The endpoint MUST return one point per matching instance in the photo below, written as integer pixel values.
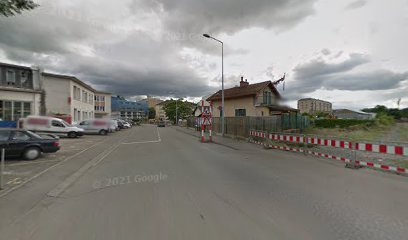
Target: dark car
(26, 144)
(161, 124)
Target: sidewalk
(217, 138)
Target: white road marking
(71, 179)
(46, 170)
(32, 162)
(142, 142)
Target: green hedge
(341, 123)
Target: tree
(184, 109)
(12, 7)
(152, 113)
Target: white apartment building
(103, 105)
(67, 95)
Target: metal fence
(240, 126)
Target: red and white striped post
(202, 132)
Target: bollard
(352, 164)
(3, 151)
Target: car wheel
(72, 135)
(103, 132)
(32, 153)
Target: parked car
(127, 125)
(120, 123)
(26, 144)
(113, 126)
(95, 126)
(40, 124)
(161, 124)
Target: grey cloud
(193, 18)
(129, 60)
(356, 4)
(319, 74)
(375, 80)
(319, 67)
(325, 51)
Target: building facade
(20, 92)
(259, 99)
(103, 105)
(68, 96)
(126, 109)
(313, 106)
(152, 102)
(350, 114)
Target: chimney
(242, 83)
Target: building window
(14, 110)
(26, 82)
(77, 93)
(17, 110)
(84, 96)
(267, 97)
(11, 77)
(240, 112)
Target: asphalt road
(151, 183)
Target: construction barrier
(369, 147)
(378, 148)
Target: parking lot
(18, 171)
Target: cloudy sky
(353, 53)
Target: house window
(267, 97)
(240, 112)
(11, 77)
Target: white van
(52, 125)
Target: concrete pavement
(165, 184)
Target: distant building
(125, 109)
(259, 99)
(20, 92)
(351, 114)
(103, 104)
(160, 113)
(152, 102)
(313, 106)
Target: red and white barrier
(361, 163)
(369, 147)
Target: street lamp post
(176, 113)
(222, 82)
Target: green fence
(240, 126)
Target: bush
(384, 119)
(341, 123)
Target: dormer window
(11, 77)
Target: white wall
(80, 105)
(56, 95)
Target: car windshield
(66, 124)
(34, 134)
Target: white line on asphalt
(141, 142)
(71, 179)
(31, 162)
(46, 170)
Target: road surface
(160, 183)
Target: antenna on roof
(280, 80)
